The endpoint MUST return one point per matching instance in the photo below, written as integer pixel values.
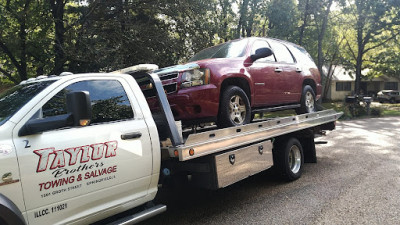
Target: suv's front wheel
(307, 102)
(234, 109)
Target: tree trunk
(22, 35)
(249, 27)
(321, 36)
(57, 10)
(224, 29)
(242, 19)
(361, 46)
(304, 25)
(359, 67)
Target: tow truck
(78, 148)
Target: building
(343, 84)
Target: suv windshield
(226, 50)
(13, 99)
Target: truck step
(141, 216)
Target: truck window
(15, 98)
(108, 98)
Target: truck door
(77, 171)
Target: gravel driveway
(356, 181)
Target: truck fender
(9, 212)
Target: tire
(307, 101)
(392, 101)
(288, 158)
(234, 108)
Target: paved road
(356, 181)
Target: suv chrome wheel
(234, 108)
(307, 101)
(310, 102)
(237, 109)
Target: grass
(390, 109)
(391, 113)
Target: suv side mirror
(261, 53)
(79, 114)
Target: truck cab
(58, 161)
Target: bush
(354, 110)
(376, 111)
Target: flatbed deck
(209, 142)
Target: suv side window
(281, 52)
(262, 44)
(302, 56)
(108, 99)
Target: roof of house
(341, 74)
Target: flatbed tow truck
(77, 167)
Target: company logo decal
(75, 167)
(88, 152)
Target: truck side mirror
(79, 105)
(79, 114)
(261, 53)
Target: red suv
(230, 82)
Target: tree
(282, 24)
(57, 11)
(376, 23)
(385, 60)
(23, 31)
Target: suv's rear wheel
(234, 109)
(308, 103)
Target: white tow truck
(78, 148)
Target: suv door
(290, 79)
(77, 171)
(265, 78)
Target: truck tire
(234, 109)
(307, 101)
(288, 158)
(392, 101)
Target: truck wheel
(288, 158)
(234, 109)
(307, 101)
(392, 101)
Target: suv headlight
(195, 77)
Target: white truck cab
(52, 166)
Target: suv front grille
(148, 89)
(168, 76)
